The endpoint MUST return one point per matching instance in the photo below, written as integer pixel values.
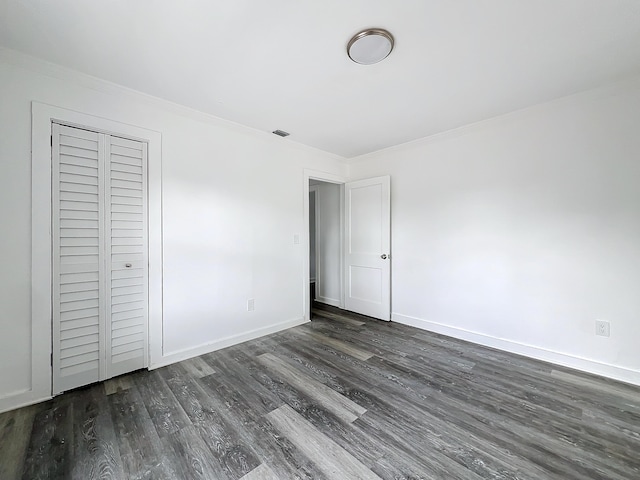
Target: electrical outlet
(251, 306)
(602, 328)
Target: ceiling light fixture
(370, 46)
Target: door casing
(330, 178)
(43, 116)
(306, 278)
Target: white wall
(328, 243)
(520, 231)
(232, 201)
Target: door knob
(383, 256)
(128, 265)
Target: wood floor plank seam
(341, 406)
(333, 460)
(261, 472)
(277, 451)
(231, 456)
(341, 345)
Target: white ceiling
(282, 63)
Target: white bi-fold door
(100, 261)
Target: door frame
(314, 189)
(43, 116)
(309, 174)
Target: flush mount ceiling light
(370, 46)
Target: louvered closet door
(78, 267)
(127, 254)
(100, 273)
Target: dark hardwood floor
(343, 397)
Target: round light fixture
(370, 46)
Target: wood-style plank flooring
(343, 397)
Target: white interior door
(100, 264)
(367, 247)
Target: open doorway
(325, 244)
(315, 181)
(351, 244)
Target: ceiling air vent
(281, 133)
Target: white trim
(28, 62)
(309, 174)
(512, 116)
(209, 347)
(578, 363)
(42, 117)
(8, 402)
(342, 248)
(316, 194)
(329, 301)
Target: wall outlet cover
(603, 328)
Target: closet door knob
(383, 256)
(128, 265)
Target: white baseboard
(578, 363)
(25, 398)
(329, 301)
(20, 399)
(209, 347)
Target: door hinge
(51, 138)
(51, 359)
